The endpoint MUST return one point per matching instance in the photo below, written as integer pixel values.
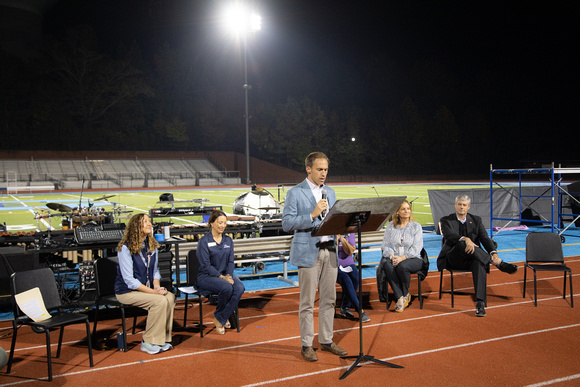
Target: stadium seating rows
(121, 173)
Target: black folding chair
(45, 281)
(451, 271)
(544, 253)
(421, 274)
(105, 276)
(192, 264)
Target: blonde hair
(134, 235)
(397, 219)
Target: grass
(19, 211)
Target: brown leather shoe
(333, 348)
(308, 354)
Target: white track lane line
(163, 358)
(417, 354)
(554, 381)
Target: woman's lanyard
(402, 247)
(146, 263)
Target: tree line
(419, 119)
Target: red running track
(516, 344)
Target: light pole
(241, 20)
(247, 116)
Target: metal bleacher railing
(70, 174)
(274, 249)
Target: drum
(109, 218)
(96, 211)
(80, 215)
(79, 211)
(66, 223)
(97, 214)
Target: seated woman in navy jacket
(215, 252)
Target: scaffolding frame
(555, 189)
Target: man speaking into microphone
(305, 206)
(324, 196)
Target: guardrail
(271, 249)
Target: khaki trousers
(159, 317)
(322, 276)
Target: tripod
(350, 215)
(361, 357)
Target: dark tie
(463, 229)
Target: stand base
(285, 276)
(288, 280)
(365, 358)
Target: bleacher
(47, 175)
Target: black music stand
(358, 215)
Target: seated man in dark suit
(465, 240)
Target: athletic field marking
(44, 222)
(138, 362)
(417, 354)
(554, 381)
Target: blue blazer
(298, 205)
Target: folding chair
(451, 271)
(45, 281)
(544, 253)
(192, 264)
(105, 276)
(421, 274)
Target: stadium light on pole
(241, 21)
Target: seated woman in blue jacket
(138, 283)
(215, 252)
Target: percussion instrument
(59, 207)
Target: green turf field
(20, 211)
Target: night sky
(529, 48)
(536, 39)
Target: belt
(307, 230)
(325, 245)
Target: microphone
(324, 198)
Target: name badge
(211, 244)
